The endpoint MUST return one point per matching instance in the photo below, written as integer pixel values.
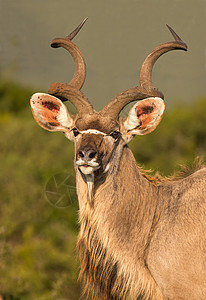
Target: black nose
(87, 155)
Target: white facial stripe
(93, 131)
(107, 168)
(91, 163)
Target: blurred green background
(38, 208)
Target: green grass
(37, 237)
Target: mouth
(87, 168)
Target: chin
(88, 170)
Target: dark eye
(115, 134)
(75, 131)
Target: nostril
(87, 155)
(81, 154)
(92, 154)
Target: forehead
(96, 122)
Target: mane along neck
(113, 251)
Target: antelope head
(100, 136)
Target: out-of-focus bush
(37, 237)
(37, 258)
(13, 97)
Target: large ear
(50, 113)
(143, 117)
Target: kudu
(140, 238)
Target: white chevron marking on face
(93, 131)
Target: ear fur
(50, 113)
(144, 117)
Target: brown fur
(115, 237)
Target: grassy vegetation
(37, 233)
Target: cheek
(107, 149)
(69, 135)
(77, 143)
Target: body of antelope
(140, 238)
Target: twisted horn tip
(55, 42)
(177, 38)
(74, 33)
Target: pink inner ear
(145, 110)
(51, 106)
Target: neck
(129, 201)
(116, 230)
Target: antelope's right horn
(146, 88)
